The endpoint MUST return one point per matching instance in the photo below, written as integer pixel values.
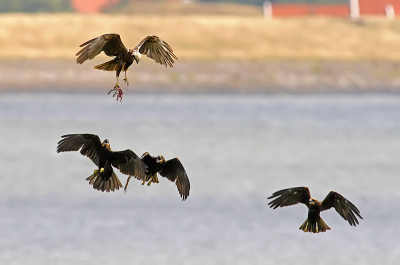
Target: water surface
(237, 150)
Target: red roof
(377, 7)
(92, 6)
(367, 7)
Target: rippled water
(237, 150)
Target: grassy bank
(200, 37)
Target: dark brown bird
(103, 178)
(314, 222)
(111, 44)
(171, 169)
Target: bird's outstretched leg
(118, 91)
(150, 181)
(126, 185)
(126, 80)
(153, 179)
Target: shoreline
(195, 76)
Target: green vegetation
(34, 5)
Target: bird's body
(104, 160)
(314, 222)
(104, 177)
(111, 44)
(171, 169)
(118, 64)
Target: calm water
(237, 150)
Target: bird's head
(312, 201)
(160, 160)
(106, 142)
(136, 56)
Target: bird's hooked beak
(106, 143)
(160, 159)
(311, 201)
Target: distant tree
(34, 5)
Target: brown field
(217, 37)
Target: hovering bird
(171, 169)
(111, 44)
(103, 178)
(314, 222)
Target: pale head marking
(136, 55)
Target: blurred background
(264, 96)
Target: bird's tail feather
(108, 66)
(111, 184)
(320, 226)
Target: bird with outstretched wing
(171, 169)
(151, 46)
(104, 177)
(314, 222)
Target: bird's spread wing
(90, 144)
(292, 196)
(157, 49)
(344, 207)
(129, 163)
(174, 171)
(111, 44)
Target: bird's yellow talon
(102, 170)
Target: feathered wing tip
(90, 49)
(111, 65)
(111, 184)
(320, 226)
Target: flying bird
(314, 222)
(111, 44)
(103, 178)
(171, 169)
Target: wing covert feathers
(344, 207)
(175, 172)
(111, 44)
(90, 144)
(158, 50)
(292, 196)
(129, 163)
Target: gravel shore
(271, 76)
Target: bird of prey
(314, 222)
(171, 169)
(111, 44)
(103, 178)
